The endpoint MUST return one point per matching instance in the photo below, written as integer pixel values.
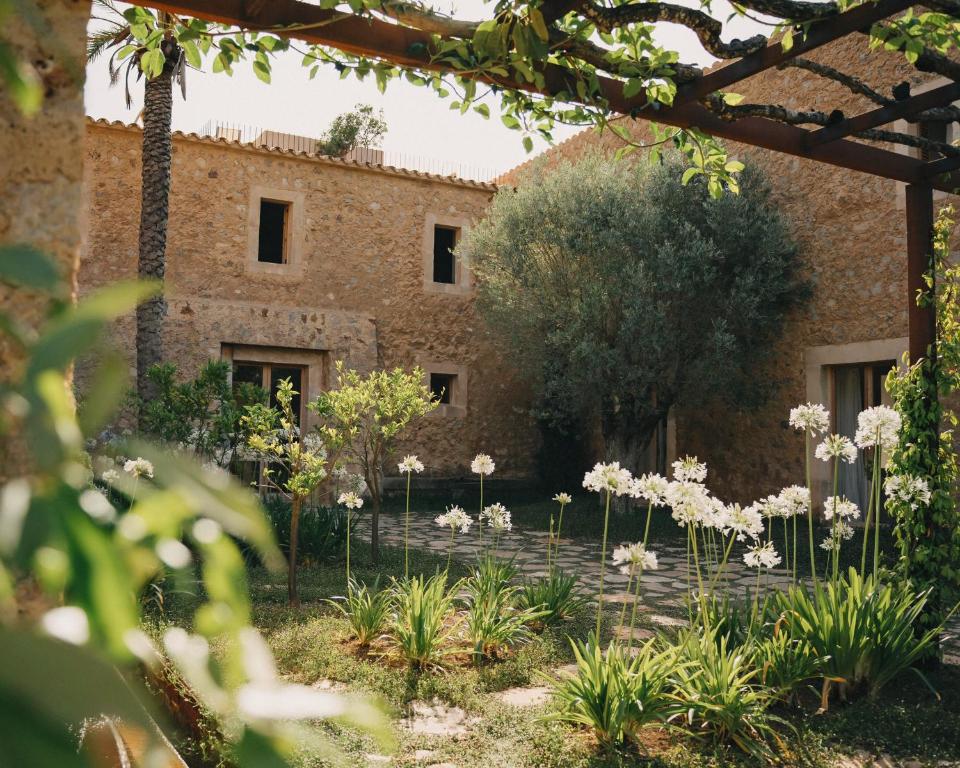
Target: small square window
(272, 245)
(444, 260)
(441, 387)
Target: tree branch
(853, 84)
(718, 106)
(707, 29)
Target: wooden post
(921, 321)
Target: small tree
(624, 292)
(360, 128)
(294, 465)
(362, 419)
(202, 414)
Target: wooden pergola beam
(913, 105)
(821, 33)
(408, 47)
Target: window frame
(457, 407)
(292, 266)
(462, 276)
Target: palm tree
(155, 158)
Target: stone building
(284, 263)
(281, 261)
(851, 230)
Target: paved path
(664, 592)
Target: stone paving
(664, 590)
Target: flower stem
(406, 533)
(633, 613)
(869, 517)
(480, 519)
(813, 559)
(556, 546)
(623, 610)
(646, 528)
(450, 550)
(876, 512)
(348, 548)
(603, 562)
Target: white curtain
(849, 388)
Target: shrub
(494, 620)
(615, 694)
(557, 596)
(424, 619)
(862, 630)
(322, 531)
(491, 575)
(785, 661)
(717, 685)
(366, 609)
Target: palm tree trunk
(154, 203)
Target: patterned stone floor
(664, 590)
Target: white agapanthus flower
(907, 489)
(350, 500)
(110, 476)
(843, 531)
(841, 508)
(689, 469)
(608, 477)
(812, 418)
(482, 464)
(410, 464)
(138, 467)
(837, 447)
(206, 531)
(650, 487)
(67, 623)
(497, 517)
(689, 502)
(744, 522)
(794, 500)
(879, 425)
(97, 506)
(762, 555)
(173, 553)
(630, 557)
(454, 519)
(563, 498)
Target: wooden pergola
(833, 143)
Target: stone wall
(851, 230)
(41, 169)
(354, 289)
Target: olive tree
(362, 419)
(624, 292)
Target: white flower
(837, 447)
(793, 500)
(96, 505)
(563, 498)
(68, 624)
(842, 531)
(690, 502)
(350, 500)
(632, 556)
(206, 531)
(454, 518)
(110, 476)
(762, 556)
(608, 477)
(410, 464)
(482, 465)
(743, 521)
(907, 489)
(688, 469)
(879, 425)
(841, 508)
(497, 517)
(340, 472)
(173, 553)
(812, 418)
(651, 487)
(138, 467)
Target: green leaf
(632, 87)
(688, 174)
(482, 109)
(25, 266)
(528, 144)
(192, 53)
(732, 99)
(786, 42)
(262, 71)
(152, 63)
(539, 25)
(106, 391)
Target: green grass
(313, 645)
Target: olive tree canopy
(623, 292)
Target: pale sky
(419, 123)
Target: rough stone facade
(851, 229)
(41, 169)
(355, 287)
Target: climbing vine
(928, 535)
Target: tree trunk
(374, 481)
(293, 597)
(154, 205)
